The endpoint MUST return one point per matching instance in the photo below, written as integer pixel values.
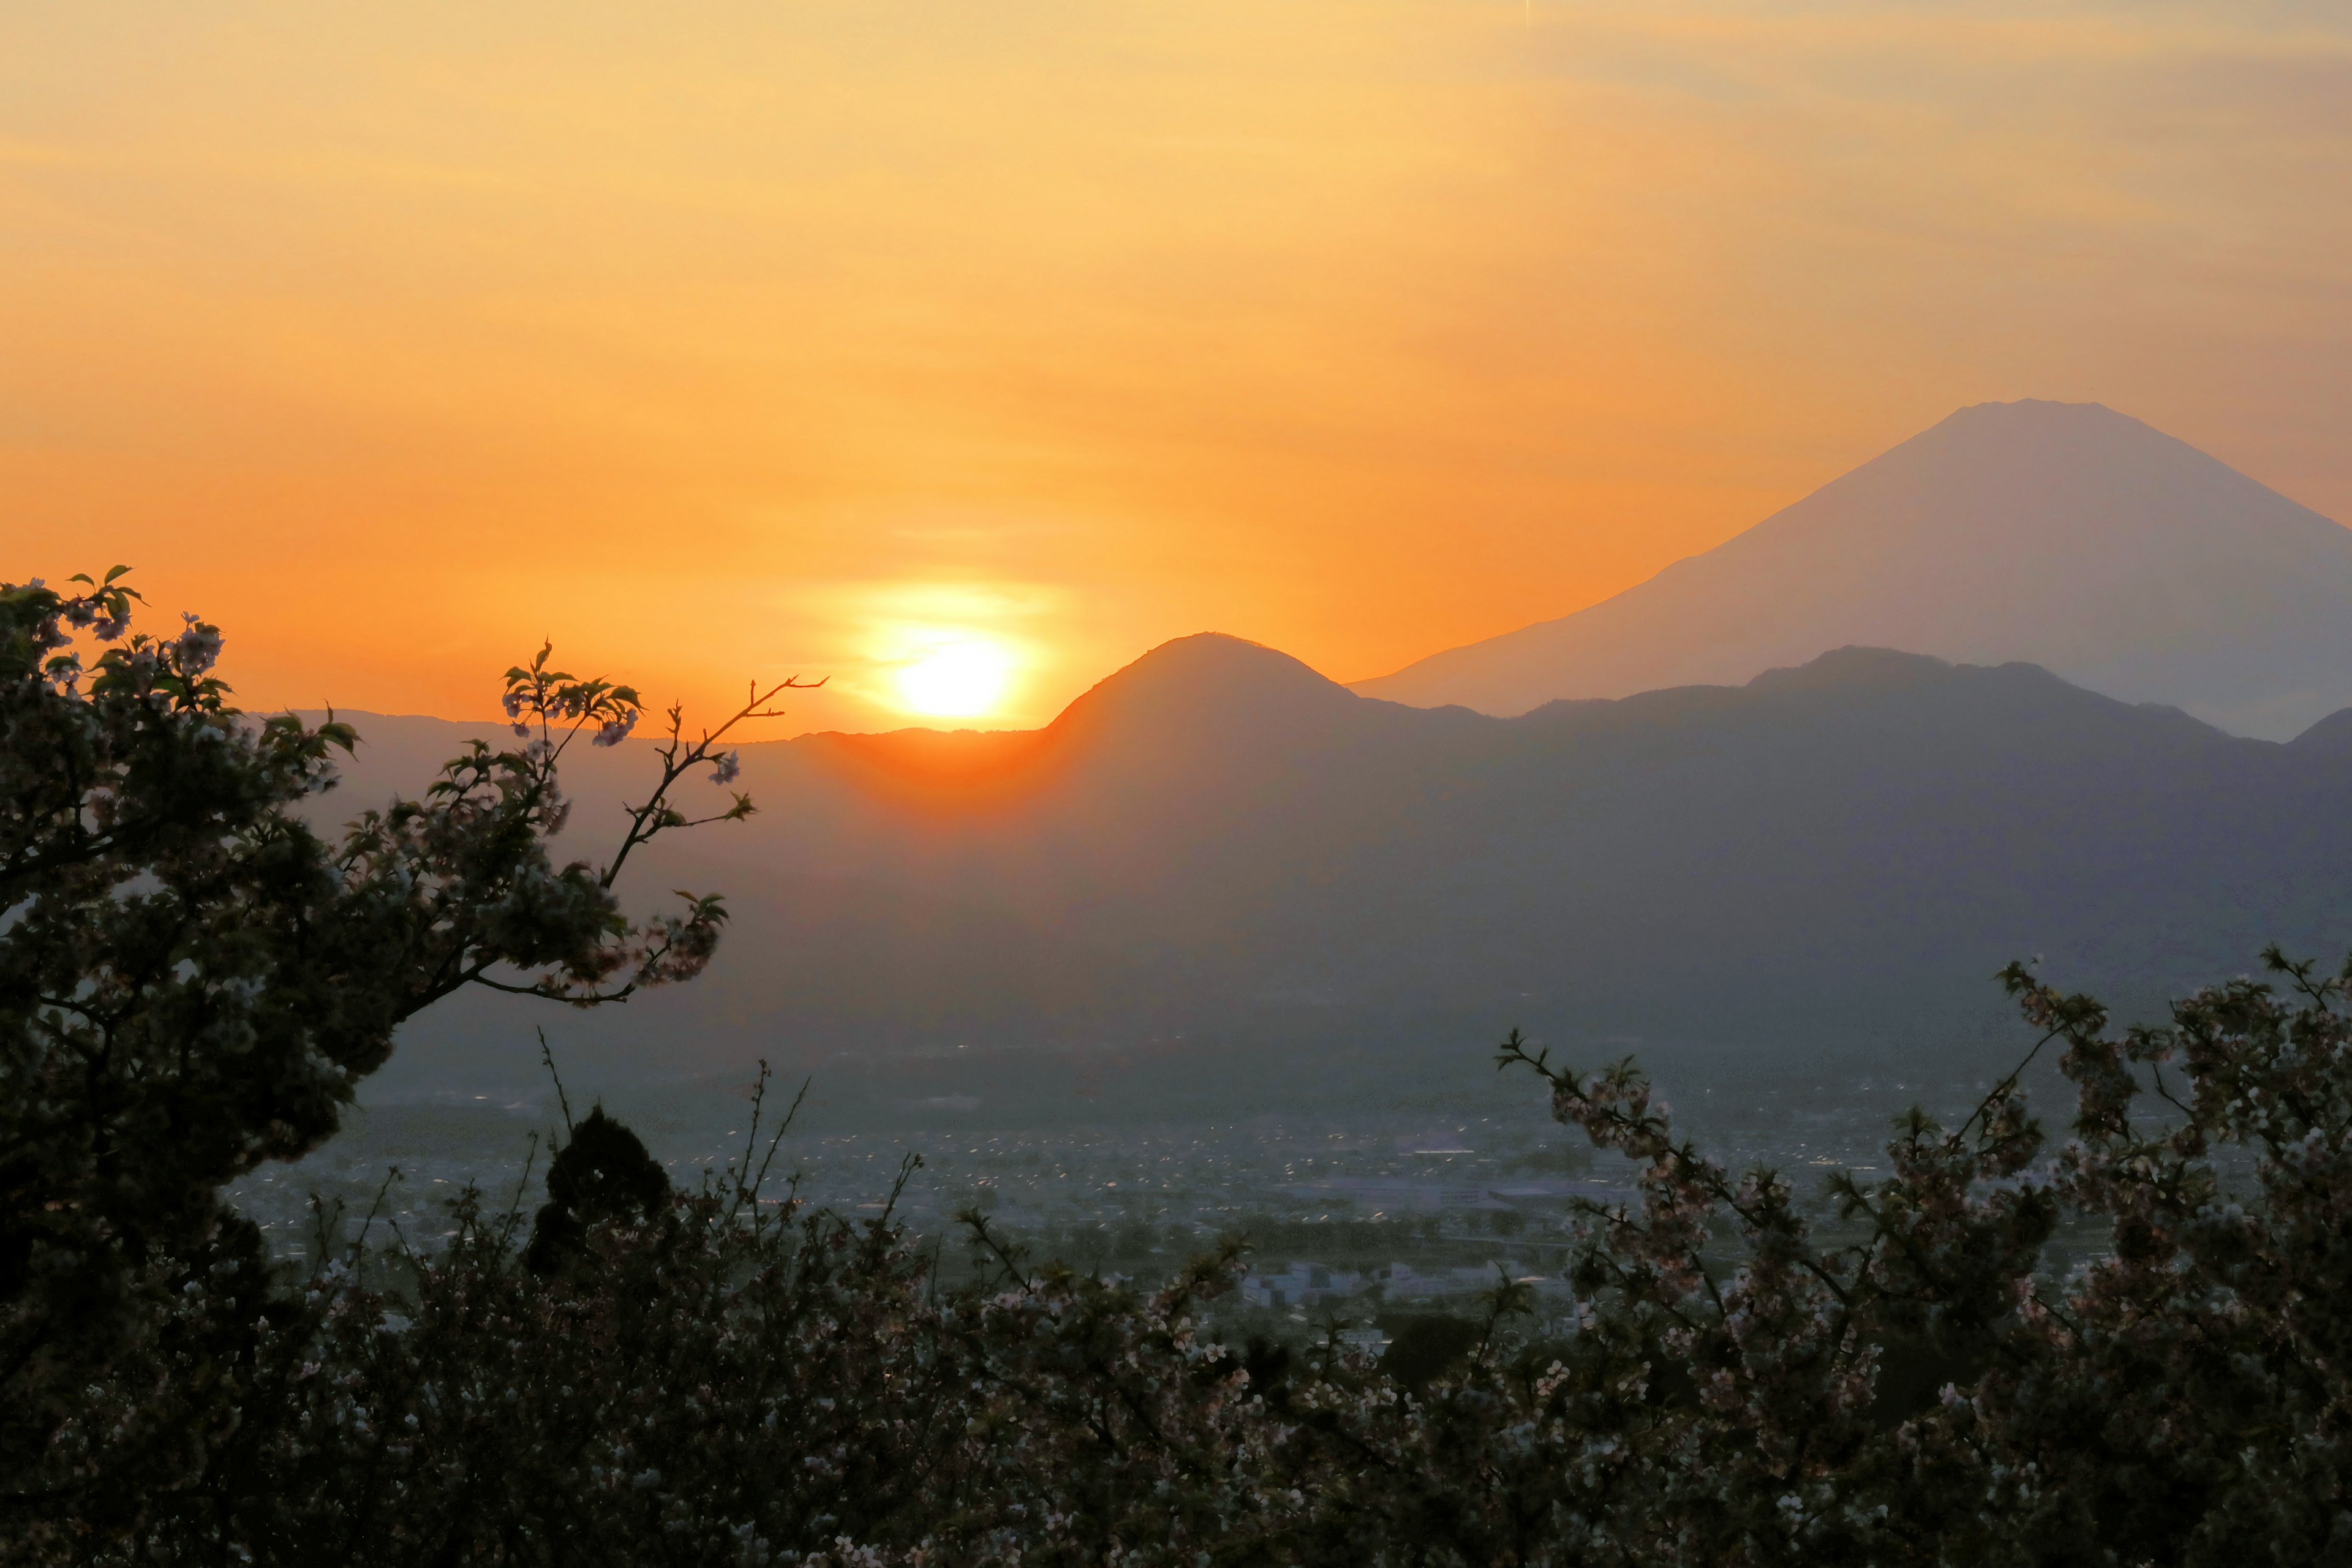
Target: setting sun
(961, 681)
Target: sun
(959, 680)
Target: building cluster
(1348, 1215)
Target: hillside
(1217, 855)
(2065, 535)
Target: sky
(959, 352)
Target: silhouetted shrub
(191, 981)
(602, 1174)
(730, 1381)
(703, 1377)
(1423, 1347)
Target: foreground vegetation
(190, 982)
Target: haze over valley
(1220, 887)
(1218, 845)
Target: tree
(601, 1174)
(1938, 1390)
(698, 1377)
(193, 980)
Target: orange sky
(725, 339)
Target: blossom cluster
(194, 978)
(726, 1378)
(191, 981)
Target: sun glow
(959, 680)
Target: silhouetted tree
(1424, 1346)
(193, 980)
(602, 1174)
(189, 982)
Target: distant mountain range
(2064, 535)
(1219, 878)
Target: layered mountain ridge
(1219, 862)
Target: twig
(654, 816)
(783, 1127)
(548, 1057)
(514, 1209)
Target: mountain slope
(1221, 858)
(2061, 534)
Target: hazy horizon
(2161, 575)
(826, 340)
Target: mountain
(2063, 534)
(1219, 879)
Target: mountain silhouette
(2064, 535)
(1242, 880)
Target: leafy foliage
(192, 980)
(728, 1376)
(735, 1379)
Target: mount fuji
(2065, 535)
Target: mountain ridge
(1832, 857)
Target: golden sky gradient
(731, 340)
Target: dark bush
(602, 1174)
(1424, 1347)
(190, 983)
